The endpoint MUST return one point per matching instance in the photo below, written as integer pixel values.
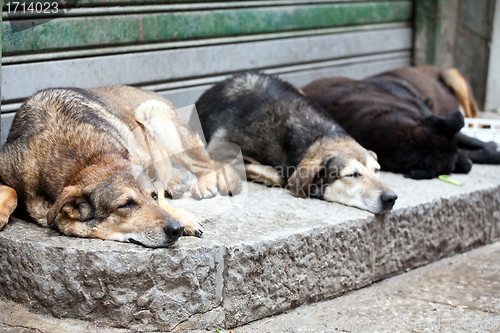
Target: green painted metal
(428, 26)
(106, 31)
(193, 43)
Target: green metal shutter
(180, 48)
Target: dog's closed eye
(354, 175)
(128, 205)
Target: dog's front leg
(206, 187)
(8, 203)
(192, 227)
(228, 179)
(176, 187)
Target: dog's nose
(389, 197)
(174, 230)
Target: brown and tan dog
(409, 117)
(98, 162)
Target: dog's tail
(456, 81)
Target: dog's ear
(373, 154)
(300, 181)
(73, 201)
(448, 126)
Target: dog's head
(426, 148)
(109, 204)
(342, 171)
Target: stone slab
(262, 253)
(457, 294)
(111, 283)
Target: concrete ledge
(261, 254)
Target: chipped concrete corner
(257, 258)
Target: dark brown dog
(97, 163)
(408, 117)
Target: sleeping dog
(409, 117)
(98, 162)
(285, 138)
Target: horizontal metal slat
(187, 92)
(354, 68)
(192, 43)
(6, 123)
(22, 80)
(100, 31)
(187, 4)
(103, 8)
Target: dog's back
(442, 91)
(268, 118)
(51, 126)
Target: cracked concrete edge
(259, 282)
(191, 278)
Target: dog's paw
(228, 181)
(176, 188)
(206, 187)
(8, 204)
(491, 145)
(192, 227)
(195, 230)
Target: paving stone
(458, 294)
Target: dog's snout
(174, 230)
(389, 197)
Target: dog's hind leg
(484, 155)
(467, 142)
(265, 174)
(455, 80)
(8, 203)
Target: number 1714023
(32, 7)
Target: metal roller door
(180, 48)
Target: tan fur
(357, 182)
(318, 153)
(228, 180)
(456, 81)
(191, 224)
(265, 174)
(8, 203)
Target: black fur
(272, 123)
(388, 119)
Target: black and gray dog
(288, 140)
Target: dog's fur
(97, 163)
(285, 137)
(409, 117)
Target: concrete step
(457, 294)
(262, 253)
